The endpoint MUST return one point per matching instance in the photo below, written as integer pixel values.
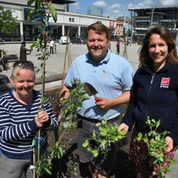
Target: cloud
(116, 10)
(115, 6)
(100, 4)
(168, 2)
(153, 3)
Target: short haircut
(99, 28)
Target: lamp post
(125, 44)
(152, 13)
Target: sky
(116, 8)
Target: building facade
(122, 21)
(120, 27)
(76, 23)
(144, 18)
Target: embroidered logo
(165, 82)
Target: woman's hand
(41, 118)
(123, 128)
(59, 118)
(169, 144)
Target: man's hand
(123, 128)
(103, 103)
(64, 94)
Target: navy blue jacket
(155, 95)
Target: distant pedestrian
(3, 62)
(55, 48)
(51, 47)
(24, 52)
(118, 46)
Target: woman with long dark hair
(154, 95)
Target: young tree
(8, 25)
(7, 22)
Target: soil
(69, 165)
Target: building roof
(156, 13)
(152, 7)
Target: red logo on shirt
(165, 82)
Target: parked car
(63, 40)
(11, 58)
(4, 84)
(78, 40)
(1, 40)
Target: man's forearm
(123, 99)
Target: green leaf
(98, 124)
(48, 171)
(158, 124)
(52, 11)
(85, 144)
(30, 15)
(148, 121)
(95, 153)
(38, 5)
(139, 137)
(153, 121)
(60, 152)
(103, 133)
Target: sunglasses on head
(28, 64)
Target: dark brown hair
(167, 36)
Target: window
(71, 19)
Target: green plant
(7, 22)
(155, 142)
(69, 113)
(8, 25)
(73, 104)
(44, 10)
(45, 163)
(101, 142)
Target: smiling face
(23, 82)
(158, 50)
(97, 44)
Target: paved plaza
(55, 63)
